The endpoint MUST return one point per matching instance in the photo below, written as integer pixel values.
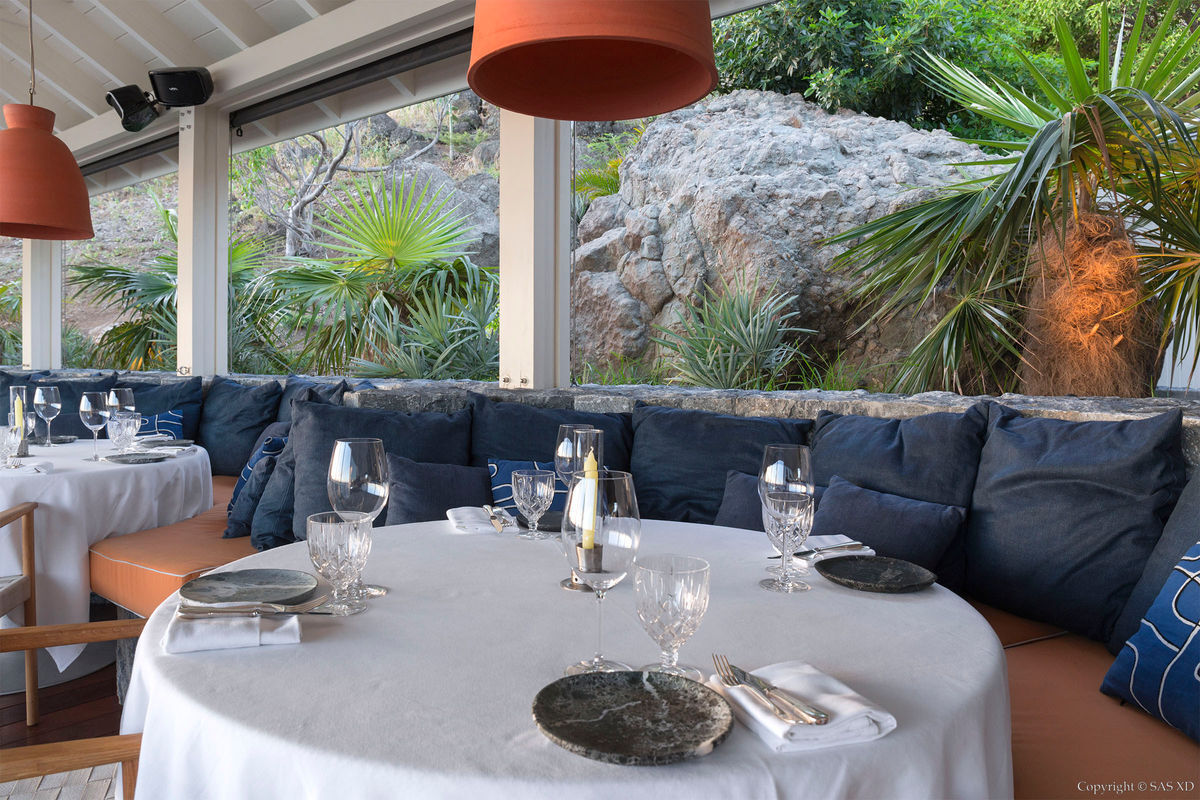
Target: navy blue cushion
(232, 419)
(271, 525)
(891, 525)
(1065, 514)
(429, 436)
(164, 423)
(740, 505)
(681, 457)
(267, 446)
(297, 387)
(14, 378)
(1158, 669)
(500, 474)
(933, 457)
(241, 512)
(1180, 532)
(71, 390)
(422, 492)
(151, 397)
(524, 433)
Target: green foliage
(733, 340)
(864, 55)
(246, 171)
(606, 152)
(621, 371)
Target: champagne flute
(533, 491)
(672, 596)
(358, 489)
(93, 413)
(600, 535)
(47, 403)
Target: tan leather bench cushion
(1065, 731)
(140, 570)
(1011, 629)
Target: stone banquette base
(1068, 739)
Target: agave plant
(978, 249)
(388, 240)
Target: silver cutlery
(805, 711)
(828, 549)
(250, 609)
(500, 518)
(729, 678)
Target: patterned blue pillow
(271, 446)
(166, 423)
(1158, 669)
(502, 491)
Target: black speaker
(181, 86)
(135, 109)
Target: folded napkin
(852, 718)
(470, 519)
(223, 633)
(830, 540)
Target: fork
(727, 676)
(249, 610)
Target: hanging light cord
(32, 70)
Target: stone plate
(632, 718)
(137, 458)
(284, 586)
(66, 438)
(167, 443)
(876, 573)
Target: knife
(831, 548)
(789, 702)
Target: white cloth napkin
(830, 540)
(470, 519)
(852, 718)
(223, 633)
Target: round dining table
(81, 502)
(428, 693)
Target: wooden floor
(76, 709)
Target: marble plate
(137, 458)
(284, 586)
(167, 443)
(63, 439)
(876, 574)
(633, 718)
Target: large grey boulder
(749, 184)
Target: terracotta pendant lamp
(592, 59)
(42, 192)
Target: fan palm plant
(982, 246)
(387, 241)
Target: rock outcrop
(749, 184)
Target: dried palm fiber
(1088, 334)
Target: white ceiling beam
(104, 54)
(156, 33)
(69, 79)
(238, 21)
(403, 84)
(315, 8)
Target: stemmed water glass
(533, 492)
(600, 535)
(47, 403)
(10, 442)
(338, 549)
(785, 488)
(672, 596)
(93, 413)
(123, 427)
(358, 489)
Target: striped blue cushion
(271, 446)
(502, 490)
(166, 423)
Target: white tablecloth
(81, 502)
(428, 692)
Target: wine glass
(358, 488)
(672, 596)
(93, 413)
(533, 491)
(338, 549)
(564, 451)
(793, 510)
(47, 403)
(600, 536)
(120, 400)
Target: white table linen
(82, 502)
(228, 633)
(428, 693)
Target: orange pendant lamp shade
(592, 59)
(42, 193)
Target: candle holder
(21, 393)
(590, 560)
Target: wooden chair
(16, 590)
(18, 763)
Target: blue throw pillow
(500, 474)
(419, 492)
(268, 446)
(9, 378)
(70, 391)
(889, 524)
(429, 437)
(271, 525)
(297, 387)
(232, 419)
(185, 395)
(1065, 514)
(241, 513)
(680, 457)
(740, 505)
(166, 423)
(1158, 670)
(527, 433)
